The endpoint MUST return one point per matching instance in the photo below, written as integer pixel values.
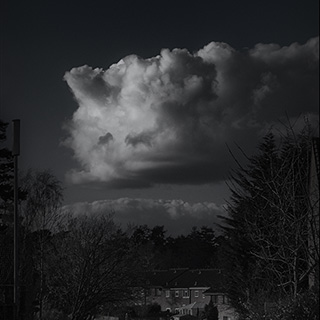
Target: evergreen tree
(268, 222)
(210, 312)
(6, 173)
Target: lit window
(177, 294)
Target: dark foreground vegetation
(78, 267)
(273, 229)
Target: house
(187, 292)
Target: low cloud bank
(167, 119)
(177, 216)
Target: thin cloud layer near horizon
(177, 216)
(167, 119)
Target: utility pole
(16, 153)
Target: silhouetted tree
(195, 250)
(210, 312)
(6, 172)
(6, 211)
(269, 222)
(93, 264)
(41, 216)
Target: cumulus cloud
(167, 119)
(177, 216)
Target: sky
(133, 104)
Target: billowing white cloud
(177, 216)
(166, 119)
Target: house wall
(197, 295)
(174, 298)
(188, 292)
(226, 312)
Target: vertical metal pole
(15, 153)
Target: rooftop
(213, 279)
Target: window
(177, 293)
(157, 292)
(225, 299)
(148, 292)
(185, 293)
(196, 293)
(167, 293)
